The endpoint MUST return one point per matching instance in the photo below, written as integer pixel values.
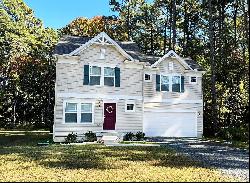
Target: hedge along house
(104, 85)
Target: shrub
(140, 136)
(71, 138)
(90, 137)
(128, 136)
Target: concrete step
(107, 139)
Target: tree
(91, 27)
(27, 65)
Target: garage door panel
(170, 124)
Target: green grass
(22, 160)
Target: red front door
(109, 116)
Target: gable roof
(68, 44)
(72, 45)
(188, 63)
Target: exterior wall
(192, 91)
(125, 121)
(70, 76)
(69, 86)
(190, 100)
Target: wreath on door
(109, 109)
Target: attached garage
(170, 124)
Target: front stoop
(109, 138)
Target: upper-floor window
(171, 83)
(164, 83)
(193, 79)
(109, 76)
(100, 75)
(95, 75)
(176, 83)
(147, 77)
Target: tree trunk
(174, 24)
(212, 60)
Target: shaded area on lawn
(87, 157)
(19, 154)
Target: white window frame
(75, 112)
(178, 75)
(92, 112)
(79, 102)
(108, 76)
(129, 102)
(169, 78)
(170, 81)
(190, 79)
(102, 66)
(90, 74)
(150, 75)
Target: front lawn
(22, 160)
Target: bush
(128, 136)
(90, 137)
(140, 136)
(71, 138)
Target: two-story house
(104, 85)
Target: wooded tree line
(212, 32)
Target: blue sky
(58, 13)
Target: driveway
(230, 161)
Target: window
(102, 53)
(147, 77)
(95, 75)
(71, 113)
(170, 66)
(176, 84)
(130, 106)
(86, 113)
(193, 79)
(109, 76)
(164, 83)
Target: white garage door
(170, 124)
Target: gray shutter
(182, 84)
(117, 77)
(86, 75)
(158, 82)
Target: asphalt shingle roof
(67, 44)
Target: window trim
(150, 75)
(129, 102)
(79, 102)
(190, 79)
(90, 74)
(92, 112)
(102, 74)
(170, 82)
(108, 76)
(75, 112)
